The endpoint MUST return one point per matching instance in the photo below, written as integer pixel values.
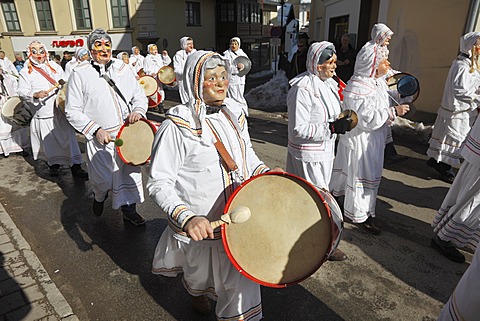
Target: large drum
(166, 76)
(294, 227)
(134, 142)
(61, 97)
(15, 111)
(150, 86)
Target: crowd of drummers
(201, 158)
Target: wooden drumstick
(240, 214)
(59, 84)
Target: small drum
(136, 142)
(150, 86)
(166, 76)
(60, 100)
(290, 233)
(17, 112)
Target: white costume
(312, 104)
(464, 303)
(187, 179)
(136, 61)
(178, 65)
(92, 103)
(8, 66)
(13, 138)
(52, 137)
(458, 219)
(357, 169)
(152, 65)
(458, 110)
(236, 87)
(69, 66)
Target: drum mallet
(117, 141)
(240, 214)
(59, 84)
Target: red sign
(67, 43)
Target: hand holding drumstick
(199, 228)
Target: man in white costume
(97, 111)
(457, 223)
(464, 303)
(313, 107)
(236, 87)
(136, 59)
(13, 138)
(152, 64)
(186, 43)
(82, 55)
(52, 137)
(357, 169)
(458, 109)
(188, 181)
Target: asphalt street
(102, 265)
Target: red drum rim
(119, 135)
(239, 267)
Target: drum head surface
(137, 142)
(288, 234)
(61, 97)
(11, 106)
(166, 75)
(406, 85)
(149, 85)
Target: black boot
(54, 170)
(130, 214)
(97, 207)
(78, 172)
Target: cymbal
(350, 114)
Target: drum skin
(16, 112)
(166, 75)
(289, 234)
(149, 85)
(137, 142)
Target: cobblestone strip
(26, 290)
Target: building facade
(425, 41)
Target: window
(82, 14)
(255, 14)
(227, 12)
(120, 14)
(244, 12)
(10, 14)
(192, 13)
(44, 13)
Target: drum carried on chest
(150, 87)
(292, 229)
(61, 97)
(17, 112)
(134, 142)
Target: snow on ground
(272, 97)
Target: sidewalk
(26, 290)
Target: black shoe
(447, 177)
(54, 170)
(130, 214)
(447, 249)
(161, 110)
(434, 164)
(97, 207)
(337, 255)
(370, 226)
(78, 172)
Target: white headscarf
(380, 32)
(183, 42)
(237, 40)
(133, 49)
(150, 47)
(468, 41)
(119, 55)
(190, 118)
(239, 51)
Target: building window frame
(82, 15)
(9, 10)
(243, 12)
(47, 23)
(122, 19)
(193, 14)
(227, 12)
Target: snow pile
(406, 128)
(271, 96)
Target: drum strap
(224, 154)
(112, 84)
(44, 74)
